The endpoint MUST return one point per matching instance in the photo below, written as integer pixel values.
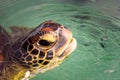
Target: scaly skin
(42, 49)
(15, 72)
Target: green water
(97, 56)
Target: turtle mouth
(69, 49)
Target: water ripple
(97, 36)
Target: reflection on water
(96, 33)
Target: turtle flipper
(4, 44)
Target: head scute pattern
(35, 50)
(43, 48)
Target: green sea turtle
(26, 52)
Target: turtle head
(56, 39)
(46, 46)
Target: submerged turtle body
(42, 49)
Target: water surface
(97, 55)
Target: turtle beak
(67, 43)
(69, 49)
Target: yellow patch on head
(49, 37)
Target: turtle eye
(44, 42)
